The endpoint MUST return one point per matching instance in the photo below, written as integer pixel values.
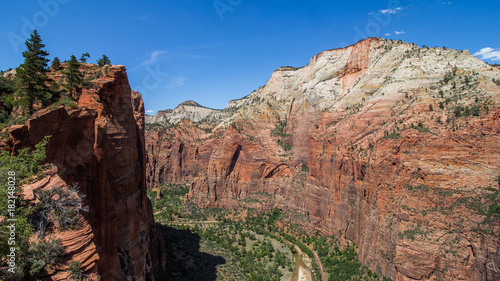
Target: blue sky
(214, 51)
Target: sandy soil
(304, 274)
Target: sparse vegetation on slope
(58, 207)
(259, 243)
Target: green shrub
(45, 255)
(24, 165)
(75, 271)
(496, 81)
(494, 210)
(473, 110)
(285, 146)
(66, 101)
(57, 205)
(305, 169)
(420, 127)
(288, 68)
(394, 135)
(279, 131)
(412, 233)
(422, 187)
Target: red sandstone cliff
(176, 155)
(401, 145)
(100, 145)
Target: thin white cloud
(177, 53)
(399, 32)
(149, 111)
(177, 82)
(391, 11)
(142, 17)
(153, 57)
(387, 34)
(488, 54)
(445, 2)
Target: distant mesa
(189, 103)
(186, 110)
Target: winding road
(318, 262)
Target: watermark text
(223, 6)
(48, 9)
(11, 221)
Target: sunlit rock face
(186, 110)
(394, 146)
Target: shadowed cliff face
(401, 146)
(100, 145)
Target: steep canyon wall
(392, 145)
(99, 145)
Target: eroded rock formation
(395, 146)
(100, 145)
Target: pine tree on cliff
(6, 98)
(103, 61)
(56, 63)
(74, 77)
(84, 57)
(32, 81)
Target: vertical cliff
(100, 145)
(394, 146)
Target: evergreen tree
(103, 61)
(84, 57)
(31, 75)
(6, 98)
(56, 91)
(56, 63)
(74, 77)
(6, 87)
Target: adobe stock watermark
(11, 222)
(152, 80)
(380, 20)
(48, 9)
(224, 6)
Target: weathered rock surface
(395, 146)
(182, 154)
(100, 146)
